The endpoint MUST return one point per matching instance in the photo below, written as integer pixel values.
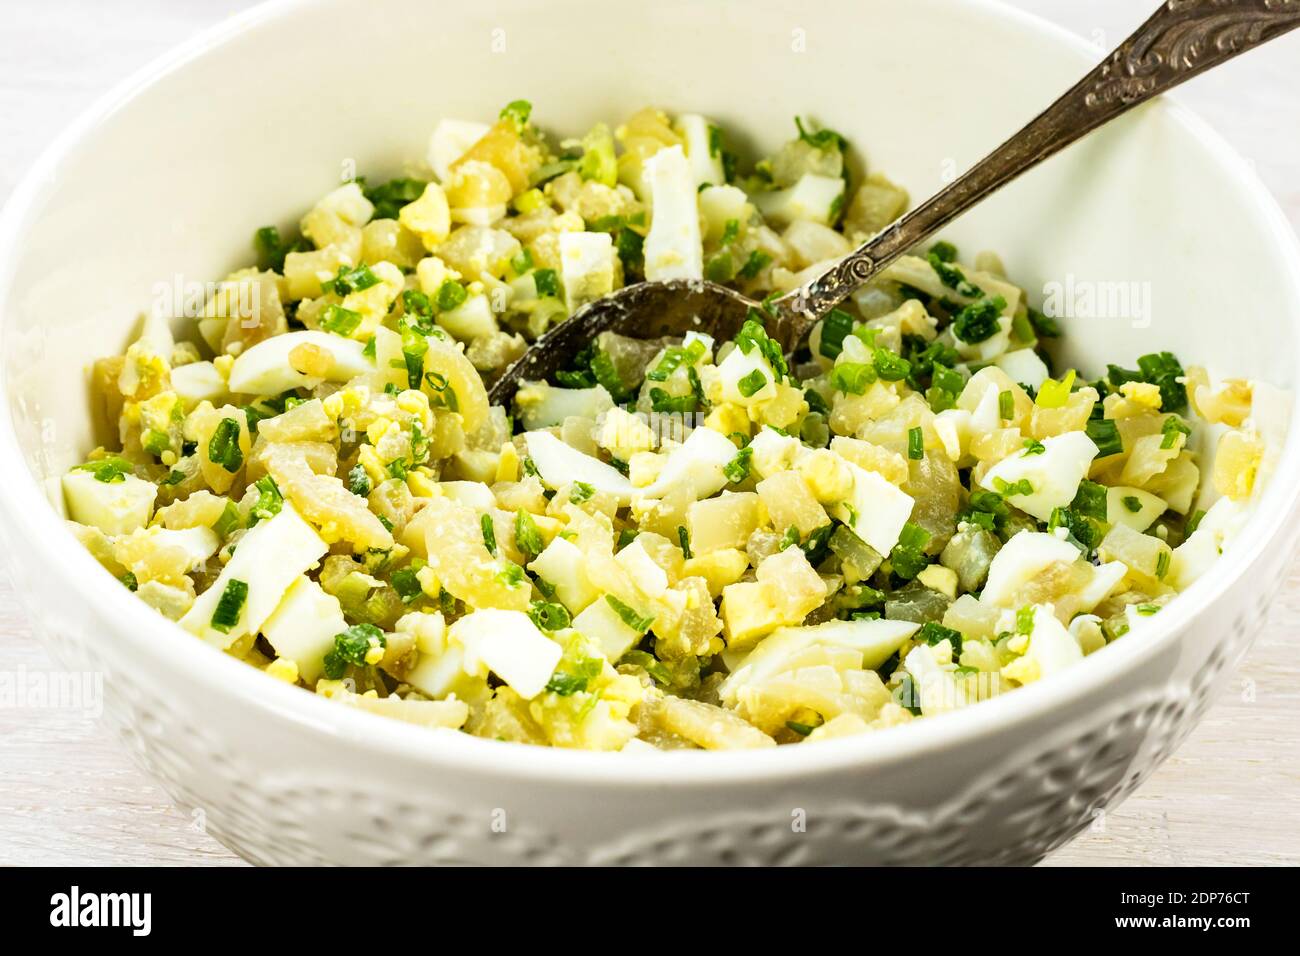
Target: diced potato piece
(304, 272)
(306, 421)
(710, 727)
(888, 464)
(444, 362)
(504, 148)
(327, 503)
(1146, 556)
(160, 554)
(790, 503)
(795, 589)
(723, 522)
(718, 568)
(446, 714)
(876, 204)
(387, 240)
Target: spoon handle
(1180, 40)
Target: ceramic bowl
(164, 181)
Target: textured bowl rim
(27, 510)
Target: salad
(678, 543)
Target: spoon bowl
(645, 310)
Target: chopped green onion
(737, 470)
(223, 446)
(932, 633)
(269, 500)
(108, 470)
(629, 617)
(230, 606)
(835, 327)
(853, 378)
(339, 320)
(358, 481)
(353, 646)
(351, 280)
(951, 276)
(1162, 564)
(1090, 500)
(517, 111)
(527, 537)
(1170, 429)
(391, 196)
(979, 320)
(915, 443)
(890, 366)
(511, 575)
(450, 295)
(1008, 488)
(489, 533)
(751, 383)
(1164, 370)
(756, 263)
(547, 283)
(406, 584)
(684, 539)
(549, 615)
(226, 522)
(1006, 405)
(1105, 435)
(944, 251)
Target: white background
(68, 794)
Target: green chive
(223, 447)
(230, 606)
(629, 617)
(915, 443)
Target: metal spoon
(1180, 40)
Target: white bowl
(169, 175)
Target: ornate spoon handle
(1180, 40)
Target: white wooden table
(68, 794)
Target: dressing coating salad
(677, 543)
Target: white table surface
(69, 795)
